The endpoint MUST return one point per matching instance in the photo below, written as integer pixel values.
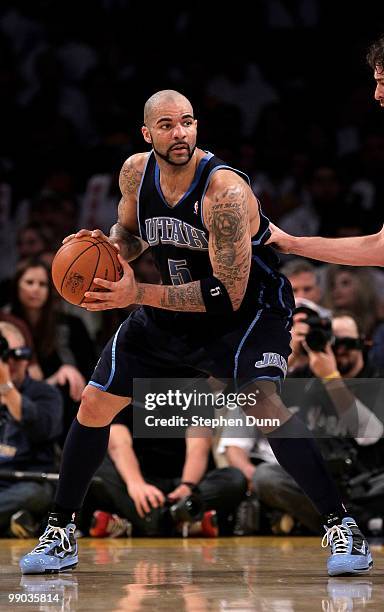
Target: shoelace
(337, 538)
(49, 536)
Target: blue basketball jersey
(179, 242)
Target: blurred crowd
(293, 109)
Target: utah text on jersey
(168, 230)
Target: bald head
(345, 326)
(161, 98)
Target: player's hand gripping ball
(79, 261)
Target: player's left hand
(180, 492)
(116, 295)
(322, 363)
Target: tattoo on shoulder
(228, 218)
(130, 178)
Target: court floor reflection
(261, 574)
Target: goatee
(172, 163)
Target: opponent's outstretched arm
(352, 251)
(227, 217)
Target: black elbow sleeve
(215, 296)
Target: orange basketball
(81, 260)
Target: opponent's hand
(97, 233)
(321, 363)
(118, 294)
(71, 375)
(145, 497)
(279, 239)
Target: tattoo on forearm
(230, 244)
(184, 298)
(140, 294)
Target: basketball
(78, 262)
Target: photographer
(30, 421)
(310, 318)
(144, 479)
(337, 403)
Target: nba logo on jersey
(196, 207)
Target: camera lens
(317, 339)
(187, 509)
(320, 332)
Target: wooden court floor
(252, 573)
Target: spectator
(248, 450)
(304, 279)
(298, 359)
(34, 369)
(30, 421)
(33, 239)
(353, 289)
(63, 347)
(140, 475)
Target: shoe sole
(364, 570)
(59, 571)
(48, 570)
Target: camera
(319, 322)
(4, 347)
(22, 352)
(168, 519)
(187, 509)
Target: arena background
(278, 87)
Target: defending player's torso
(179, 238)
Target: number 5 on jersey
(179, 272)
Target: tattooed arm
(125, 231)
(227, 216)
(227, 213)
(228, 206)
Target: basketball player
(354, 251)
(222, 310)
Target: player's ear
(146, 133)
